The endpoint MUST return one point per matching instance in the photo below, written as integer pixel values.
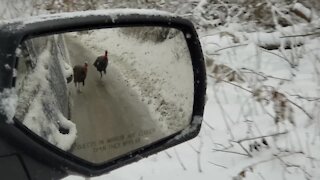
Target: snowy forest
(262, 116)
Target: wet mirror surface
(99, 94)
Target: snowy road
(110, 118)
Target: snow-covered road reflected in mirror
(128, 87)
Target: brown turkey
(101, 63)
(80, 74)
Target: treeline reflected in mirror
(99, 94)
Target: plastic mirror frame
(14, 32)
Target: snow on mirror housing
(150, 97)
(99, 94)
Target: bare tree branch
(287, 60)
(262, 75)
(260, 137)
(295, 104)
(232, 152)
(198, 154)
(301, 35)
(305, 98)
(261, 176)
(229, 47)
(302, 109)
(266, 160)
(206, 123)
(249, 154)
(179, 160)
(210, 75)
(288, 165)
(169, 156)
(217, 165)
(225, 119)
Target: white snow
(65, 141)
(37, 106)
(8, 103)
(67, 69)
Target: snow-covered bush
(270, 116)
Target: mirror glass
(99, 94)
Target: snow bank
(8, 103)
(42, 105)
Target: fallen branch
(266, 111)
(169, 156)
(287, 60)
(198, 154)
(260, 137)
(301, 35)
(249, 154)
(232, 152)
(224, 116)
(299, 107)
(217, 165)
(305, 98)
(210, 75)
(179, 160)
(264, 161)
(261, 176)
(224, 147)
(262, 75)
(293, 165)
(212, 128)
(229, 47)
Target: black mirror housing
(27, 145)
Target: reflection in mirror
(99, 94)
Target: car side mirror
(98, 90)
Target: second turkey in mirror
(104, 93)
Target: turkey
(80, 74)
(101, 63)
